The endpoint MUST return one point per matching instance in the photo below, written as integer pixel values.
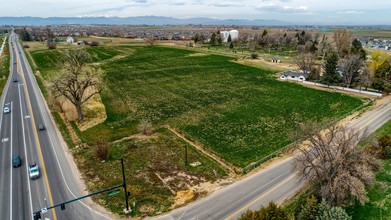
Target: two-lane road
(274, 183)
(20, 195)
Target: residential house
(291, 75)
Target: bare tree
(78, 81)
(50, 39)
(324, 47)
(305, 62)
(350, 65)
(331, 161)
(151, 40)
(343, 40)
(365, 77)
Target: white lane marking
(58, 162)
(5, 139)
(25, 153)
(6, 89)
(11, 170)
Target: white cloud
(350, 12)
(283, 9)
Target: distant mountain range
(142, 20)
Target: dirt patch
(183, 197)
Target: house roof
(296, 74)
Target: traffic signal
(37, 215)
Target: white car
(6, 110)
(33, 171)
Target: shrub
(384, 146)
(94, 43)
(387, 152)
(270, 212)
(309, 210)
(145, 127)
(384, 141)
(101, 150)
(326, 212)
(51, 45)
(254, 56)
(26, 46)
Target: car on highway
(15, 79)
(7, 110)
(41, 127)
(16, 161)
(33, 171)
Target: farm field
(240, 113)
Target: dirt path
(232, 169)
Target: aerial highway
(276, 182)
(58, 182)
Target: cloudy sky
(300, 11)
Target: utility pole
(124, 184)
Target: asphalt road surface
(21, 196)
(275, 183)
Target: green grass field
(379, 205)
(4, 65)
(241, 113)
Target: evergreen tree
(314, 47)
(219, 39)
(231, 45)
(331, 75)
(358, 49)
(229, 39)
(213, 40)
(264, 33)
(25, 35)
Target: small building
(70, 39)
(291, 75)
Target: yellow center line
(260, 197)
(37, 138)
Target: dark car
(16, 161)
(41, 127)
(15, 79)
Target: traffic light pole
(37, 214)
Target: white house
(290, 75)
(225, 35)
(70, 39)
